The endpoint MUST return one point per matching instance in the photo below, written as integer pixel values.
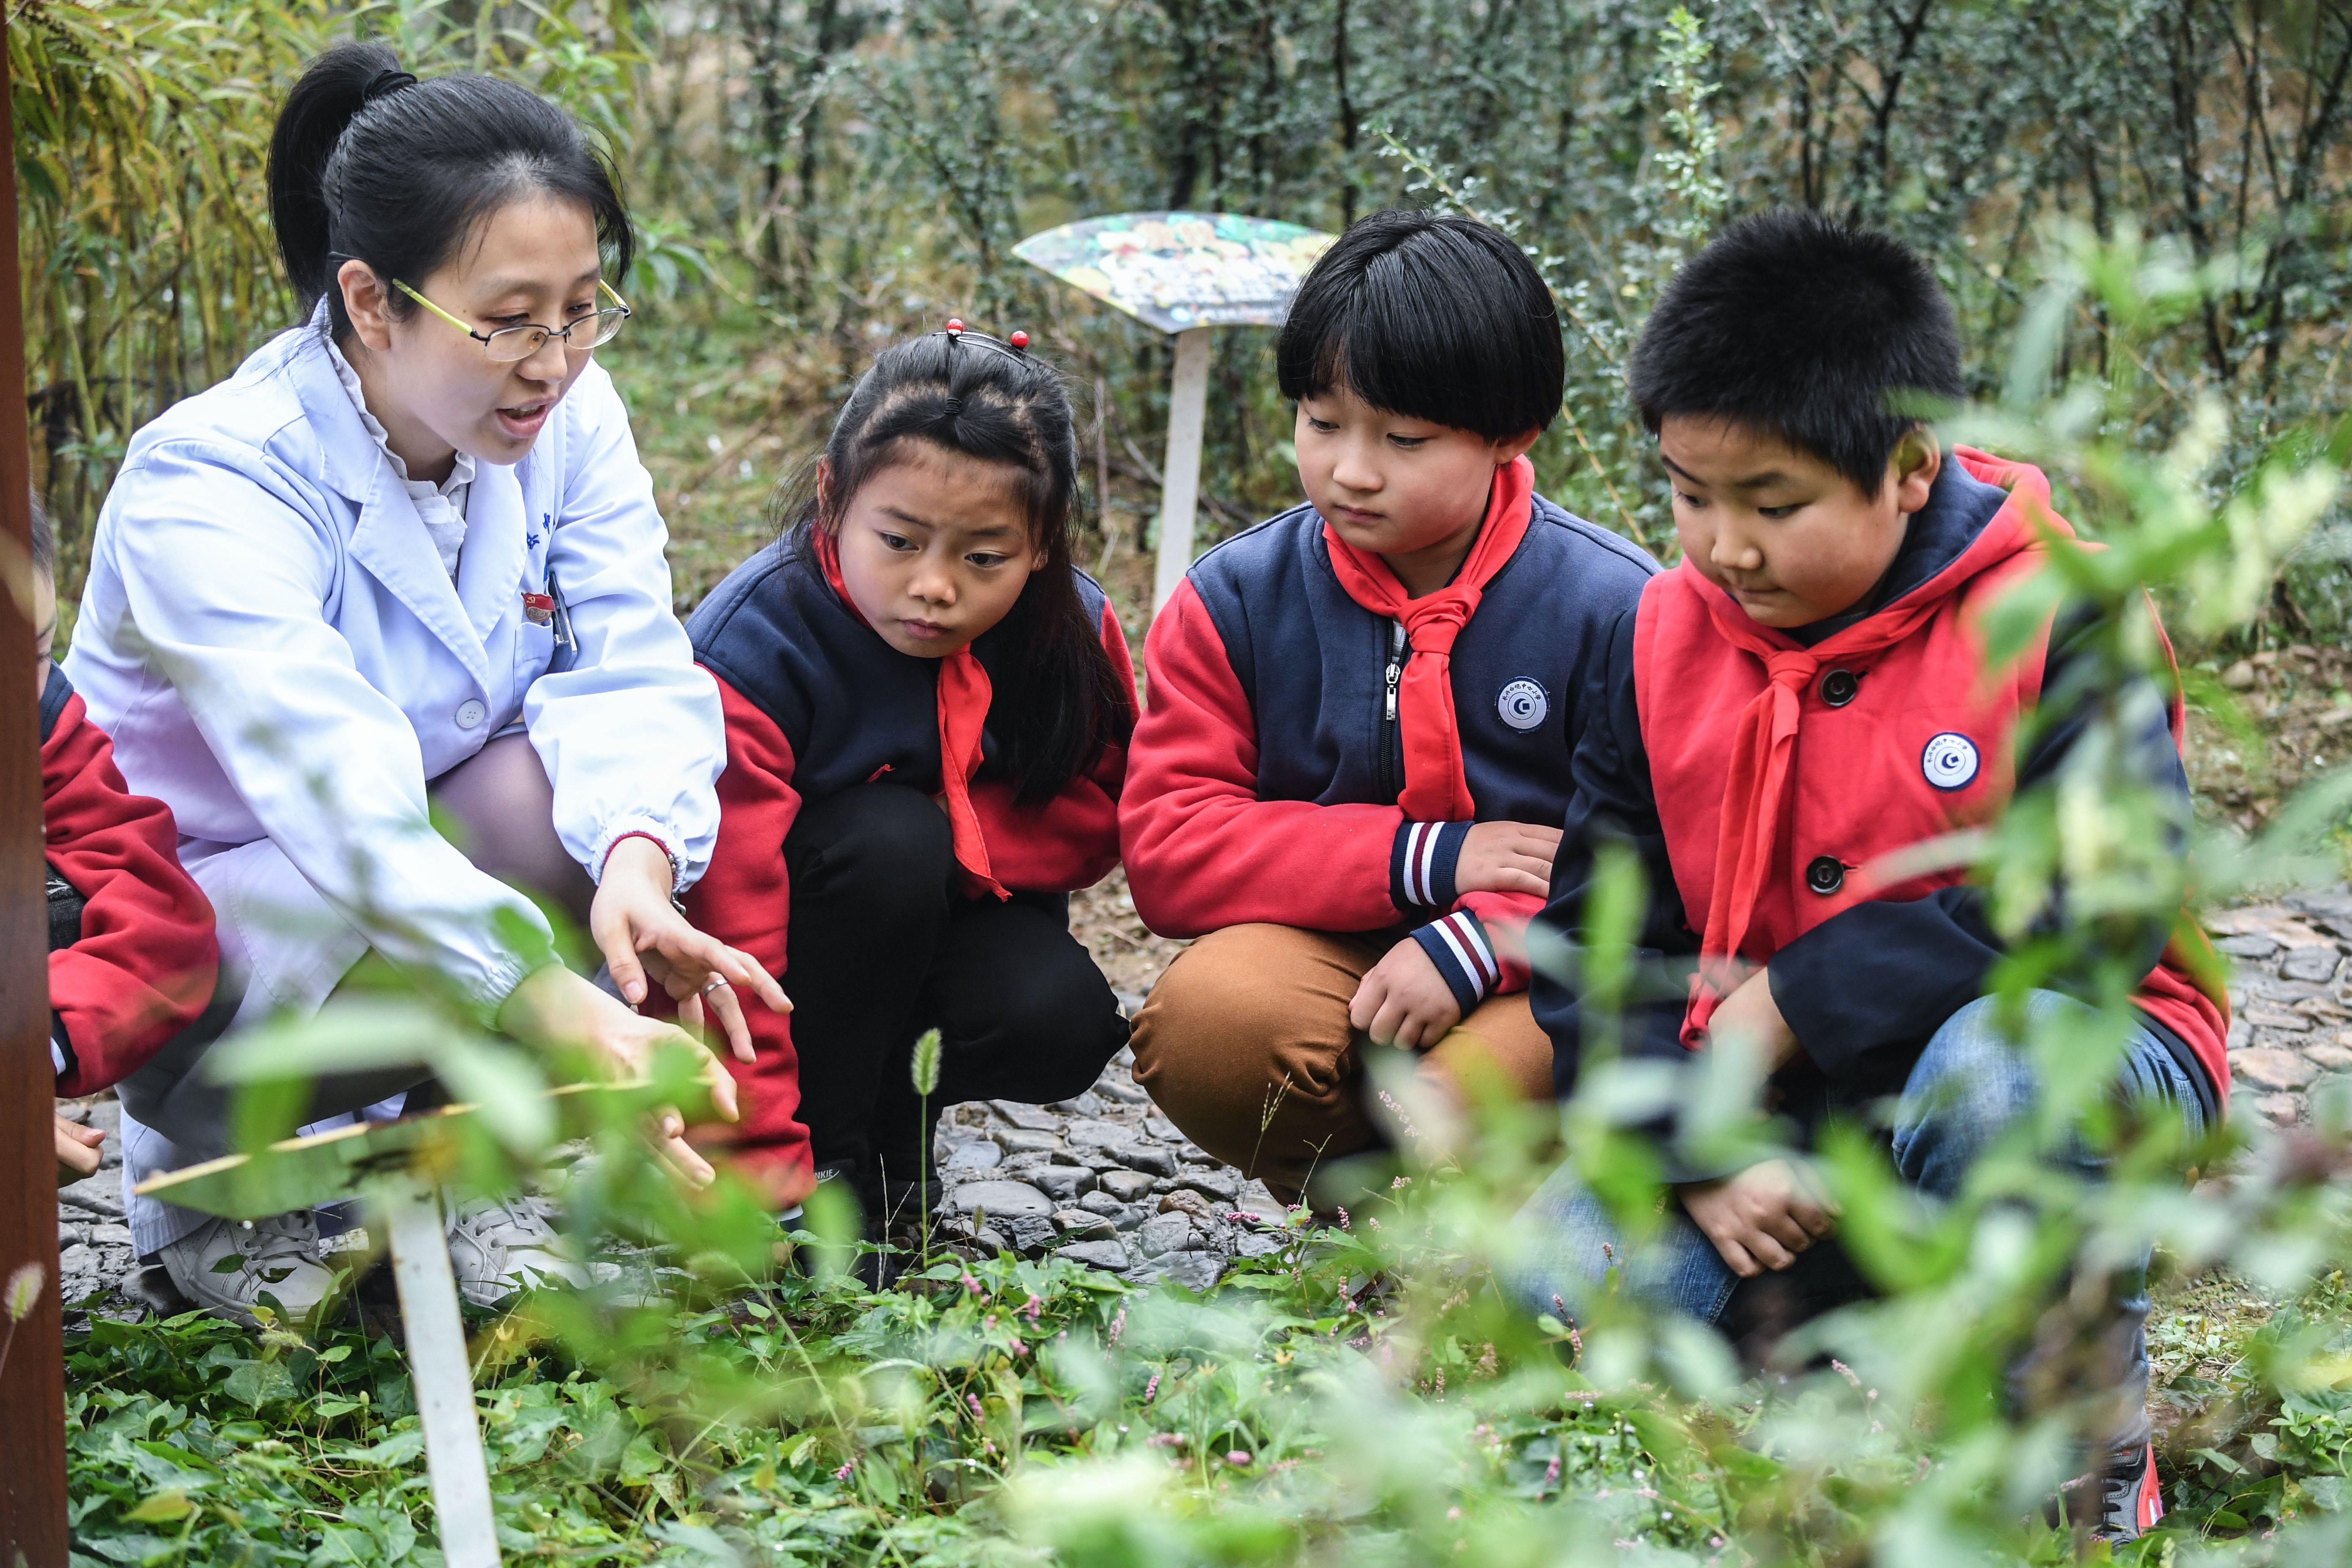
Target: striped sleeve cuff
(1421, 865)
(1458, 946)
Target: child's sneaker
(2130, 1502)
(226, 1266)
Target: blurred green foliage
(817, 177)
(1372, 1392)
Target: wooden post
(1180, 488)
(32, 1383)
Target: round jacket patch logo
(1523, 705)
(1950, 761)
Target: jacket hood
(1979, 513)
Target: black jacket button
(1839, 687)
(1825, 874)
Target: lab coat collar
(348, 459)
(389, 539)
(490, 569)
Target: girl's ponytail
(323, 104)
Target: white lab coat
(279, 655)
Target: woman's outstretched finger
(621, 959)
(728, 1007)
(680, 1158)
(743, 969)
(722, 1087)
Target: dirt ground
(1104, 918)
(2265, 726)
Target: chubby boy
(1349, 777)
(1805, 694)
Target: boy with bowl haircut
(1803, 695)
(1349, 775)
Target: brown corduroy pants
(1244, 1044)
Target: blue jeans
(1969, 1086)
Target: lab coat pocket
(534, 654)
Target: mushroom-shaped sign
(1183, 273)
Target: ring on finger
(717, 981)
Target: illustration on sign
(1179, 270)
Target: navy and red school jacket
(145, 961)
(1269, 760)
(1889, 746)
(816, 703)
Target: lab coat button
(470, 714)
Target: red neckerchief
(1435, 789)
(964, 694)
(1763, 748)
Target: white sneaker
(226, 1266)
(498, 1248)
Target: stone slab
(1164, 1233)
(1002, 1200)
(1194, 1270)
(1063, 1183)
(2269, 1069)
(1107, 1255)
(1034, 1141)
(1126, 1187)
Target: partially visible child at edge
(132, 956)
(927, 711)
(1804, 694)
(1349, 779)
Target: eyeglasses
(510, 343)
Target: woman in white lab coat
(407, 554)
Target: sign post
(32, 1379)
(1183, 273)
(391, 1165)
(398, 1168)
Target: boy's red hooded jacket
(1780, 767)
(147, 961)
(817, 702)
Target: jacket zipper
(1394, 785)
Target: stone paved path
(2290, 1000)
(1107, 1180)
(93, 1244)
(1104, 1178)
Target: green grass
(1312, 1408)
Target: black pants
(884, 946)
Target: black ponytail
(369, 162)
(1058, 699)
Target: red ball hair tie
(955, 327)
(1020, 340)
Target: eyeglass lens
(521, 342)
